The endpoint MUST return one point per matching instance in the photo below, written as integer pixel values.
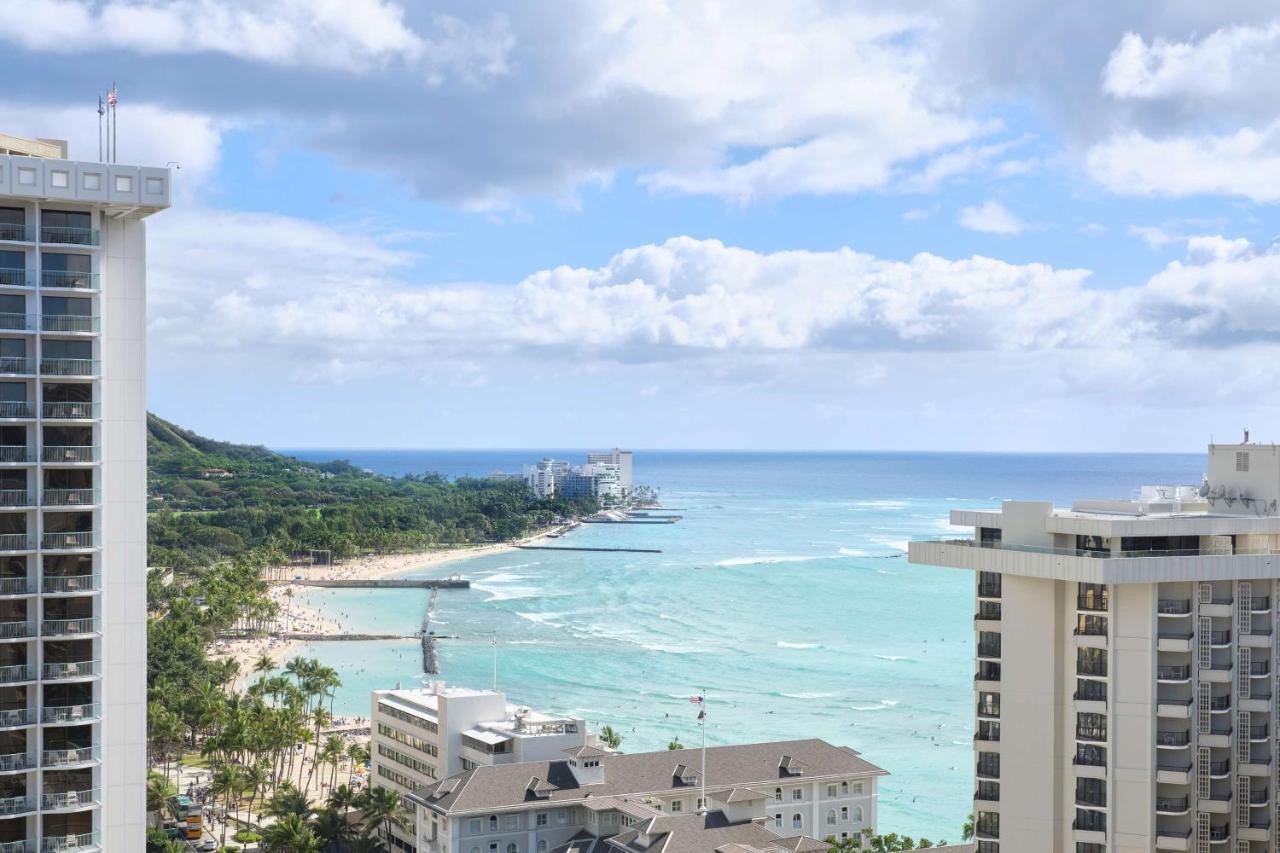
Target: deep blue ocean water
(784, 594)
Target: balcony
(1090, 756)
(1097, 734)
(71, 411)
(1260, 604)
(11, 322)
(69, 497)
(85, 843)
(1095, 669)
(1173, 674)
(15, 630)
(17, 847)
(1258, 797)
(1260, 669)
(52, 584)
(17, 542)
(63, 800)
(17, 409)
(68, 323)
(1092, 604)
(1173, 740)
(15, 233)
(1219, 769)
(14, 762)
(16, 805)
(69, 279)
(16, 366)
(70, 669)
(988, 590)
(15, 586)
(68, 236)
(70, 540)
(1258, 733)
(1172, 805)
(1090, 691)
(69, 454)
(68, 627)
(13, 277)
(70, 367)
(1089, 821)
(17, 673)
(65, 757)
(988, 770)
(10, 498)
(988, 791)
(16, 453)
(16, 718)
(71, 713)
(988, 610)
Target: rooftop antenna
(1246, 435)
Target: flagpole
(115, 152)
(703, 775)
(99, 128)
(495, 661)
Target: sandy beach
(297, 618)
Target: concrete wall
(124, 530)
(1131, 783)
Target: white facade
(1126, 686)
(73, 500)
(544, 477)
(421, 736)
(620, 459)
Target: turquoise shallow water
(784, 594)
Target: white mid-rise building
(545, 476)
(760, 796)
(622, 461)
(73, 451)
(422, 735)
(1127, 688)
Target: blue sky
(907, 225)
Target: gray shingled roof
(758, 764)
(694, 833)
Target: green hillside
(211, 500)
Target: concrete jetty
(389, 583)
(325, 638)
(573, 548)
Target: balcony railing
(1174, 606)
(69, 497)
(988, 650)
(1219, 703)
(70, 367)
(1260, 667)
(14, 761)
(70, 713)
(1219, 638)
(1090, 756)
(16, 672)
(989, 769)
(1260, 604)
(1091, 603)
(987, 791)
(1171, 805)
(1173, 673)
(63, 454)
(68, 235)
(17, 847)
(14, 497)
(68, 323)
(71, 843)
(1258, 797)
(1258, 732)
(17, 365)
(19, 585)
(70, 669)
(1097, 669)
(77, 411)
(1090, 821)
(17, 542)
(1093, 733)
(69, 279)
(12, 717)
(71, 583)
(11, 277)
(70, 540)
(16, 409)
(15, 453)
(16, 805)
(67, 627)
(15, 630)
(11, 322)
(988, 610)
(15, 231)
(1102, 554)
(73, 755)
(1173, 738)
(70, 799)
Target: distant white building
(620, 459)
(422, 735)
(545, 476)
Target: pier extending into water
(574, 548)
(326, 638)
(389, 583)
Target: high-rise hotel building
(72, 499)
(1127, 682)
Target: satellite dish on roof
(1204, 489)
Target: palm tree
(359, 754)
(675, 743)
(611, 737)
(966, 829)
(342, 797)
(383, 809)
(332, 753)
(226, 783)
(266, 664)
(329, 826)
(288, 800)
(159, 790)
(290, 834)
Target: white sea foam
(766, 560)
(505, 577)
(809, 695)
(883, 504)
(853, 552)
(783, 644)
(883, 572)
(893, 658)
(880, 705)
(547, 619)
(896, 544)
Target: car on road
(209, 844)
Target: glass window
(677, 805)
(777, 794)
(797, 794)
(777, 820)
(512, 823)
(541, 819)
(844, 812)
(93, 181)
(59, 178)
(797, 821)
(124, 183)
(831, 817)
(493, 823)
(831, 790)
(26, 176)
(542, 845)
(512, 848)
(857, 813)
(64, 262)
(65, 219)
(473, 826)
(155, 186)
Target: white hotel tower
(73, 448)
(1126, 687)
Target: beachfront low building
(1126, 678)
(779, 795)
(423, 735)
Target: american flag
(695, 700)
(111, 96)
(100, 108)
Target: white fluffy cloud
(991, 217)
(1234, 62)
(327, 304)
